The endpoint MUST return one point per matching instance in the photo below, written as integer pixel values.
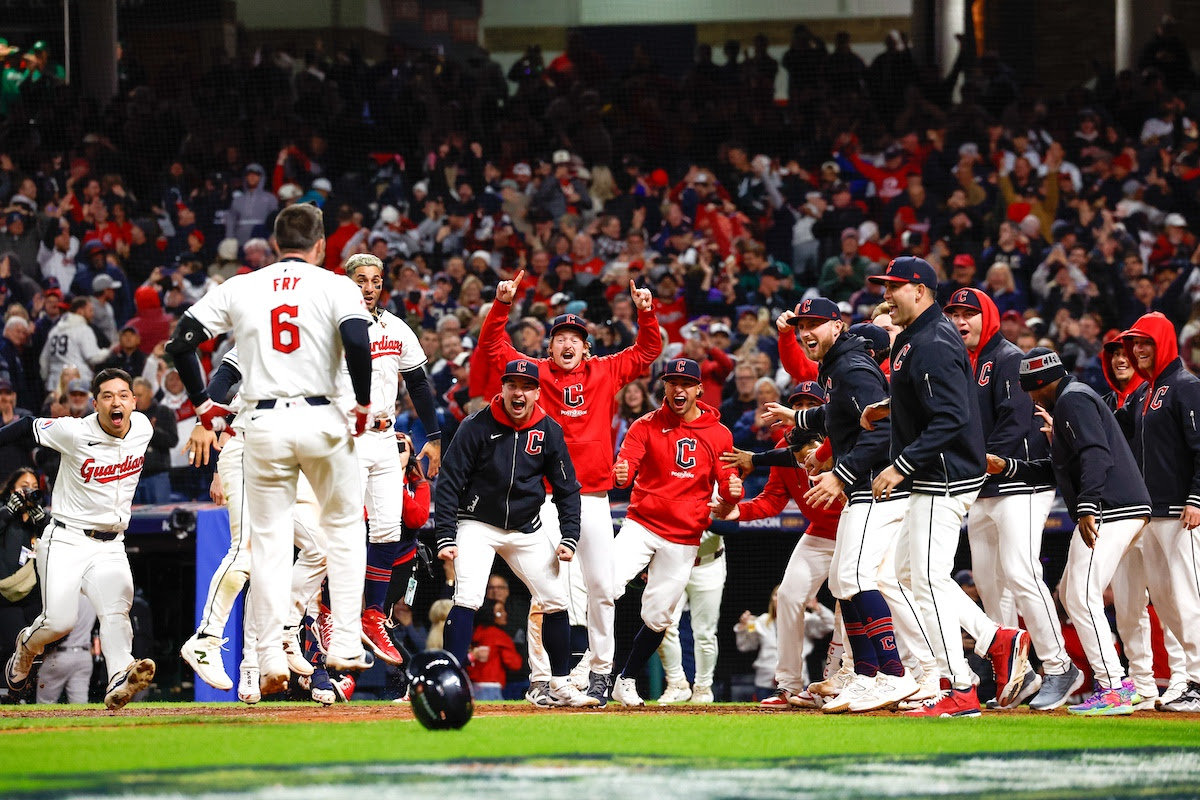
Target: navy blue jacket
(853, 381)
(1006, 414)
(937, 440)
(495, 473)
(1089, 459)
(1166, 439)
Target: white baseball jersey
(285, 318)
(98, 472)
(394, 349)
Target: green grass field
(173, 750)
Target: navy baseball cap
(964, 298)
(569, 322)
(1040, 367)
(682, 368)
(808, 389)
(908, 269)
(520, 368)
(876, 336)
(816, 308)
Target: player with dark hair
(83, 550)
(488, 500)
(671, 457)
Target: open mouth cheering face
(519, 395)
(114, 405)
(681, 394)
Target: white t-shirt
(285, 319)
(98, 472)
(394, 349)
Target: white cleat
(203, 654)
(834, 684)
(928, 687)
(125, 685)
(702, 694)
(565, 695)
(248, 691)
(625, 692)
(887, 692)
(294, 651)
(580, 675)
(679, 692)
(857, 689)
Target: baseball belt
(711, 557)
(93, 533)
(264, 405)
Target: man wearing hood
(247, 215)
(1006, 521)
(1166, 444)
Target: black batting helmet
(440, 691)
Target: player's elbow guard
(189, 334)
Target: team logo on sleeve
(1159, 395)
(898, 361)
(985, 374)
(46, 423)
(533, 444)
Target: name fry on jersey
(107, 473)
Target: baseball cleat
(294, 651)
(776, 701)
(1105, 702)
(580, 675)
(322, 630)
(375, 636)
(126, 684)
(1172, 693)
(248, 691)
(539, 694)
(949, 702)
(360, 663)
(805, 699)
(1187, 701)
(625, 692)
(1056, 689)
(565, 695)
(1009, 655)
(1030, 685)
(272, 683)
(676, 692)
(599, 688)
(858, 687)
(16, 671)
(322, 688)
(702, 694)
(343, 687)
(888, 691)
(834, 684)
(203, 655)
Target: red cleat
(1009, 655)
(375, 636)
(949, 702)
(343, 687)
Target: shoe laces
(213, 643)
(941, 695)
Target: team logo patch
(573, 395)
(985, 374)
(1160, 394)
(961, 296)
(46, 423)
(533, 444)
(805, 306)
(685, 453)
(898, 361)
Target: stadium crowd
(1074, 212)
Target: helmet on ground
(440, 691)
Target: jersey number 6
(285, 335)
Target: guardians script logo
(385, 346)
(107, 473)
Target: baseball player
(292, 321)
(1006, 521)
(488, 502)
(1166, 444)
(83, 549)
(937, 450)
(866, 529)
(579, 392)
(672, 458)
(705, 587)
(1130, 584)
(202, 651)
(808, 566)
(395, 353)
(1104, 493)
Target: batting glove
(212, 416)
(16, 503)
(362, 416)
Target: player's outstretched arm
(633, 360)
(18, 432)
(190, 334)
(493, 340)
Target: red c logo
(1159, 395)
(805, 306)
(533, 445)
(985, 374)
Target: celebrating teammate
(395, 352)
(579, 392)
(1006, 521)
(672, 457)
(1099, 480)
(488, 501)
(292, 321)
(83, 549)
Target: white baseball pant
(589, 580)
(280, 443)
(530, 555)
(1005, 533)
(1172, 556)
(916, 653)
(70, 562)
(705, 586)
(668, 566)
(234, 570)
(806, 570)
(1089, 572)
(308, 571)
(1130, 600)
(382, 480)
(865, 533)
(924, 560)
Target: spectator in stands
(15, 366)
(492, 653)
(844, 274)
(103, 317)
(248, 213)
(12, 456)
(154, 485)
(152, 324)
(72, 341)
(22, 520)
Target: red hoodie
(1166, 347)
(991, 323)
(1120, 395)
(673, 466)
(787, 483)
(583, 400)
(151, 322)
